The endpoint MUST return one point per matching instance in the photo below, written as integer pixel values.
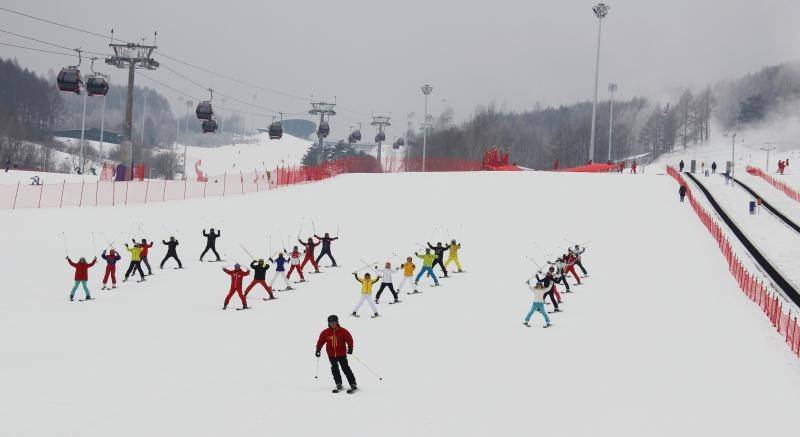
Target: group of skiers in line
(138, 251)
(556, 274)
(295, 259)
(431, 258)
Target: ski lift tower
(131, 56)
(380, 121)
(322, 109)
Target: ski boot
(352, 389)
(338, 388)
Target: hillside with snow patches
(657, 341)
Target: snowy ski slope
(658, 342)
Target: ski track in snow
(658, 342)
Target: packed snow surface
(658, 341)
(258, 153)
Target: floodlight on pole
(612, 88)
(427, 90)
(600, 11)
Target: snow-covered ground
(260, 154)
(658, 341)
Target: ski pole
(367, 367)
(246, 251)
(316, 371)
(94, 245)
(369, 266)
(337, 231)
(64, 238)
(313, 227)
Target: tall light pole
(222, 119)
(733, 151)
(612, 88)
(144, 115)
(253, 116)
(185, 148)
(427, 90)
(178, 123)
(83, 128)
(600, 11)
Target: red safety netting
(109, 192)
(785, 188)
(770, 302)
(593, 168)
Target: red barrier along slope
(769, 302)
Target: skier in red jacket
(309, 256)
(237, 275)
(81, 276)
(338, 344)
(145, 247)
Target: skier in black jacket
(172, 252)
(259, 277)
(682, 192)
(326, 248)
(211, 241)
(439, 250)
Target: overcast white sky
(374, 55)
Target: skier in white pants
(366, 293)
(280, 271)
(408, 274)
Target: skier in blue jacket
(280, 271)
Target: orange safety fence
(769, 301)
(782, 186)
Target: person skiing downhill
(577, 251)
(310, 245)
(386, 282)
(111, 259)
(682, 192)
(439, 250)
(338, 344)
(538, 303)
(295, 266)
(172, 252)
(211, 243)
(81, 276)
(136, 262)
(453, 255)
(259, 277)
(366, 293)
(408, 274)
(280, 271)
(143, 255)
(427, 267)
(326, 248)
(237, 276)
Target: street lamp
(600, 11)
(612, 88)
(427, 90)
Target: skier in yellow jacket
(428, 259)
(453, 255)
(366, 293)
(408, 274)
(136, 261)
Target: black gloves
(316, 354)
(349, 351)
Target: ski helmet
(237, 265)
(333, 318)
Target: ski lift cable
(161, 53)
(71, 55)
